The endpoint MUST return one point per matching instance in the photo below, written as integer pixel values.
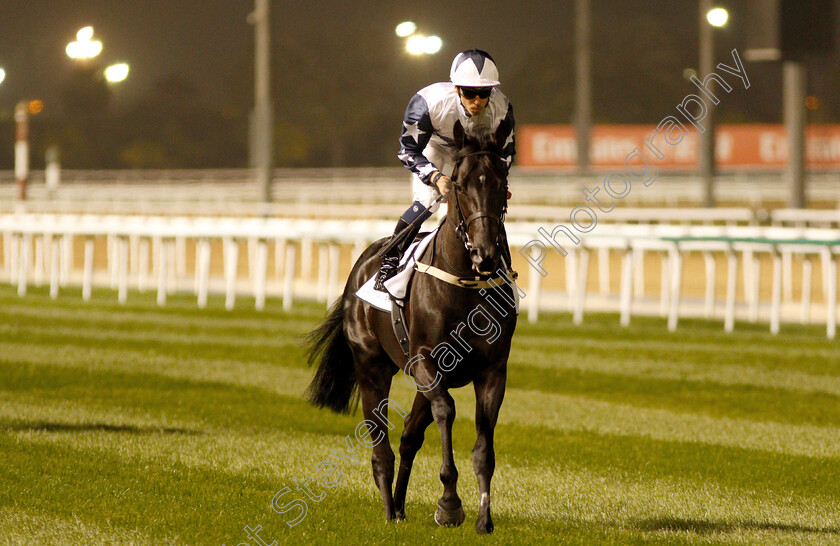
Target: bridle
(463, 225)
(481, 281)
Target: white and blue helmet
(474, 68)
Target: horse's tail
(334, 385)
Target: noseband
(462, 228)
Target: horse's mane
(478, 141)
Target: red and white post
(22, 148)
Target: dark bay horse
(459, 332)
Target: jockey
(427, 146)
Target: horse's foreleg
(489, 393)
(382, 459)
(412, 439)
(449, 511)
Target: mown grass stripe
(233, 343)
(685, 396)
(634, 459)
(702, 343)
(253, 410)
(70, 530)
(143, 504)
(221, 346)
(597, 495)
(550, 409)
(600, 440)
(576, 412)
(676, 369)
(715, 399)
(121, 319)
(287, 375)
(186, 400)
(820, 359)
(177, 305)
(161, 500)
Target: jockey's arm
(417, 129)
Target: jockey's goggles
(470, 93)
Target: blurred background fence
(206, 231)
(221, 191)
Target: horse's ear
(501, 134)
(458, 134)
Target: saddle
(396, 286)
(393, 301)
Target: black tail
(334, 385)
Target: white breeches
(424, 194)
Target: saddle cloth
(398, 284)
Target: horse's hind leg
(489, 393)
(375, 401)
(412, 439)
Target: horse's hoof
(452, 518)
(484, 525)
(399, 516)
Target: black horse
(460, 330)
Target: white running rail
(178, 253)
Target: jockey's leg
(411, 220)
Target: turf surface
(135, 424)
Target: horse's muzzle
(484, 262)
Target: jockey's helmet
(474, 68)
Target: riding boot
(391, 260)
(408, 226)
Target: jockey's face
(475, 105)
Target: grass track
(139, 425)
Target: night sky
(206, 40)
(199, 39)
(342, 78)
